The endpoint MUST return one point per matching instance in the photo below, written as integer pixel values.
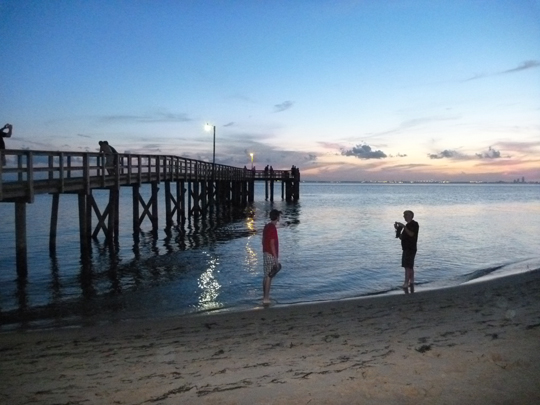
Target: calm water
(338, 242)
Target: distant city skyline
(345, 90)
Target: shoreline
(475, 343)
(81, 314)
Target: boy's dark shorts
(407, 258)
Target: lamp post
(251, 154)
(209, 127)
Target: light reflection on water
(337, 242)
(209, 287)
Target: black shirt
(409, 242)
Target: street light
(251, 154)
(209, 127)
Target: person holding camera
(408, 233)
(5, 132)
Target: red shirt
(269, 233)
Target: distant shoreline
(420, 182)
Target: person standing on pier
(111, 156)
(5, 132)
(408, 233)
(270, 242)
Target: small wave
(480, 273)
(506, 269)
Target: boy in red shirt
(270, 244)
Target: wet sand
(473, 344)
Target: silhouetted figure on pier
(266, 169)
(271, 171)
(111, 156)
(5, 132)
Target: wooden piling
(54, 224)
(181, 202)
(170, 206)
(84, 232)
(154, 202)
(135, 190)
(20, 239)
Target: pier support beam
(251, 188)
(135, 207)
(288, 190)
(113, 220)
(150, 209)
(272, 190)
(54, 224)
(84, 227)
(296, 194)
(170, 206)
(20, 239)
(155, 218)
(180, 203)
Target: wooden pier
(192, 188)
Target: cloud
(528, 64)
(230, 124)
(476, 77)
(156, 117)
(330, 145)
(283, 106)
(489, 154)
(456, 155)
(364, 152)
(447, 154)
(521, 147)
(405, 125)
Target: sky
(366, 90)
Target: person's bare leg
(267, 282)
(411, 275)
(406, 283)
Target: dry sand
(474, 344)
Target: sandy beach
(474, 344)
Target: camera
(398, 227)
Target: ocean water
(337, 242)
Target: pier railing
(30, 172)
